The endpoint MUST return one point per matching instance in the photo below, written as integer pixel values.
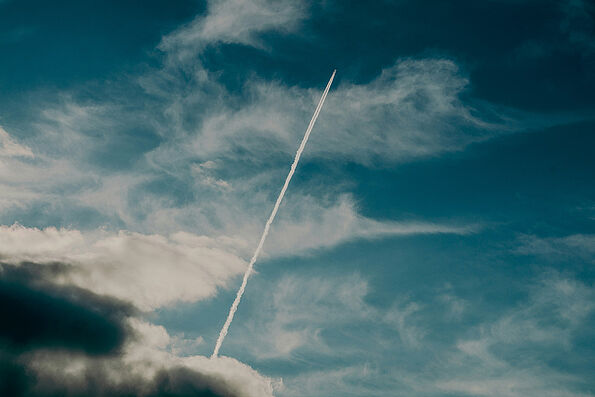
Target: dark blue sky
(438, 236)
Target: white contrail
(236, 302)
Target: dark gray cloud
(16, 380)
(38, 317)
(174, 382)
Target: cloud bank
(65, 340)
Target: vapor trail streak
(267, 226)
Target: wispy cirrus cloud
(234, 206)
(546, 323)
(183, 117)
(9, 147)
(413, 109)
(338, 341)
(300, 312)
(575, 245)
(233, 22)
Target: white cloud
(148, 270)
(413, 109)
(153, 270)
(47, 173)
(293, 319)
(306, 224)
(401, 316)
(9, 147)
(152, 348)
(202, 171)
(356, 380)
(293, 314)
(166, 265)
(19, 243)
(556, 308)
(575, 245)
(519, 384)
(233, 21)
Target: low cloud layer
(42, 315)
(68, 341)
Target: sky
(437, 239)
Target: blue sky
(436, 240)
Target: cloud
(203, 170)
(155, 270)
(306, 225)
(412, 109)
(233, 22)
(63, 340)
(41, 173)
(295, 318)
(57, 317)
(191, 195)
(204, 158)
(232, 207)
(576, 245)
(354, 380)
(226, 378)
(220, 152)
(338, 338)
(148, 270)
(566, 301)
(512, 355)
(513, 385)
(10, 148)
(402, 317)
(295, 312)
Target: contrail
(236, 302)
